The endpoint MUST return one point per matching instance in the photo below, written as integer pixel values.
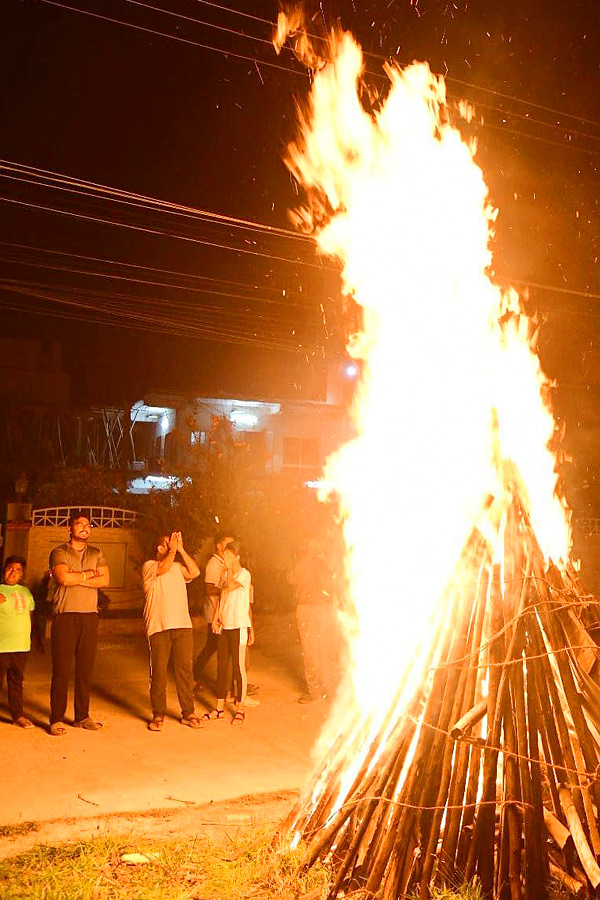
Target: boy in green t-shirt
(16, 616)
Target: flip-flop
(214, 714)
(156, 724)
(88, 724)
(57, 728)
(192, 721)
(23, 722)
(239, 718)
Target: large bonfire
(467, 746)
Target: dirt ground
(125, 779)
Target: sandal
(23, 722)
(57, 728)
(214, 714)
(156, 724)
(239, 718)
(88, 724)
(192, 721)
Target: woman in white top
(233, 621)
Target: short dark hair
(14, 559)
(77, 514)
(235, 547)
(160, 538)
(221, 535)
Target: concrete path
(126, 768)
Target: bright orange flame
(452, 388)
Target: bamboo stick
(584, 852)
(470, 718)
(571, 884)
(559, 834)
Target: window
(301, 453)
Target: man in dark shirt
(78, 571)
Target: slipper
(88, 724)
(239, 718)
(23, 722)
(192, 721)
(214, 714)
(156, 724)
(57, 728)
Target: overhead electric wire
(149, 326)
(172, 324)
(549, 109)
(68, 182)
(156, 231)
(256, 62)
(510, 114)
(196, 311)
(169, 12)
(190, 275)
(535, 137)
(178, 287)
(229, 321)
(379, 56)
(173, 37)
(507, 280)
(236, 12)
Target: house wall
(120, 547)
(327, 426)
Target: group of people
(77, 572)
(228, 614)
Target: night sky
(200, 304)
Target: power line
(195, 308)
(178, 287)
(508, 280)
(548, 109)
(378, 56)
(154, 307)
(379, 75)
(189, 275)
(128, 318)
(155, 231)
(173, 37)
(59, 181)
(236, 12)
(168, 12)
(534, 137)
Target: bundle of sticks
(486, 770)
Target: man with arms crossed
(78, 571)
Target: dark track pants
(14, 666)
(176, 644)
(207, 652)
(232, 646)
(74, 635)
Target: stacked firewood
(486, 769)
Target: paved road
(126, 768)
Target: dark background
(199, 113)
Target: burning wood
(474, 753)
(493, 762)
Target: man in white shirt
(213, 576)
(169, 627)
